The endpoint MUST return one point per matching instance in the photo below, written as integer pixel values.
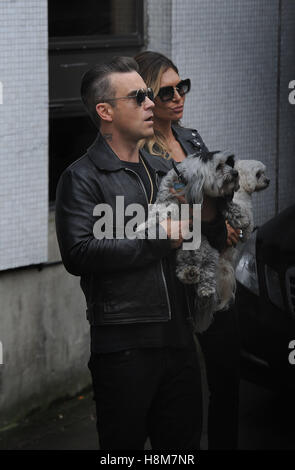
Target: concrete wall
(240, 56)
(44, 334)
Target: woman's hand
(233, 235)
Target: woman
(219, 343)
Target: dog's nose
(267, 180)
(234, 173)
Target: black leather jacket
(190, 140)
(123, 280)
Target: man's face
(130, 120)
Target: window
(69, 138)
(91, 18)
(82, 33)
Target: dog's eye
(230, 161)
(219, 167)
(258, 174)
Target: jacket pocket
(134, 296)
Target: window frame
(56, 43)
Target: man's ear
(105, 111)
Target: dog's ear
(194, 190)
(206, 156)
(230, 161)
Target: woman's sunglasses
(138, 95)
(166, 93)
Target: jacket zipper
(161, 264)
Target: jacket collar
(104, 158)
(183, 132)
(185, 137)
(190, 141)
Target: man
(144, 365)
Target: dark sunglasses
(139, 96)
(166, 93)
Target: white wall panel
(23, 133)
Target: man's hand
(181, 199)
(181, 227)
(176, 230)
(178, 196)
(233, 235)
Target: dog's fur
(252, 179)
(211, 274)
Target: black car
(265, 300)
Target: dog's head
(221, 177)
(213, 175)
(252, 175)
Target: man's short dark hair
(96, 85)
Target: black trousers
(221, 349)
(151, 392)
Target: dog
(252, 179)
(212, 275)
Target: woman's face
(170, 110)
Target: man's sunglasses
(166, 93)
(138, 95)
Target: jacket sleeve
(81, 252)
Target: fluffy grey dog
(211, 274)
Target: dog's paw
(206, 291)
(188, 275)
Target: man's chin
(147, 134)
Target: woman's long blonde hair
(151, 66)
